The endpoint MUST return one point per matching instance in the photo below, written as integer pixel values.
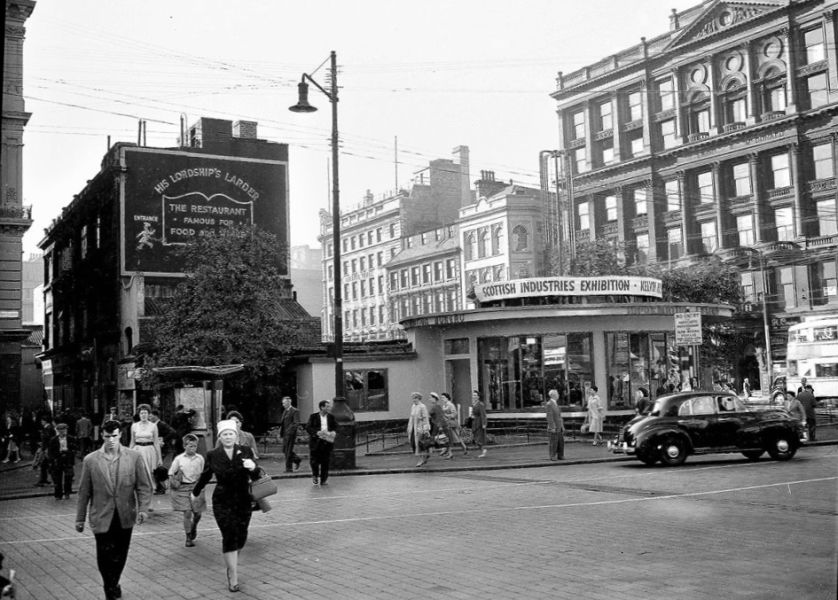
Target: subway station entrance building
(528, 336)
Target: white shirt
(324, 422)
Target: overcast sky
(433, 74)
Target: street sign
(688, 329)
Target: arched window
(469, 246)
(520, 238)
(497, 239)
(483, 243)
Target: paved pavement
(718, 527)
(17, 480)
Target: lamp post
(344, 453)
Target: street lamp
(344, 448)
(769, 363)
(302, 106)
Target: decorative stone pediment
(723, 15)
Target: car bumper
(616, 447)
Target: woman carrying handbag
(234, 469)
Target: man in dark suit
(61, 452)
(807, 400)
(288, 430)
(555, 426)
(116, 487)
(322, 429)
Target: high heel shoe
(230, 586)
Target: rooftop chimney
(245, 129)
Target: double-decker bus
(813, 354)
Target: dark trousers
(556, 442)
(291, 457)
(62, 480)
(85, 445)
(44, 472)
(112, 552)
(320, 460)
(811, 425)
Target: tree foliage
(227, 309)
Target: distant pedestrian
(746, 388)
(555, 427)
(61, 452)
(165, 432)
(807, 399)
(803, 384)
(144, 440)
(322, 430)
(795, 408)
(184, 472)
(84, 434)
(451, 416)
(419, 429)
(233, 467)
(479, 422)
(439, 427)
(596, 415)
(180, 424)
(41, 461)
(288, 428)
(12, 440)
(116, 489)
(641, 403)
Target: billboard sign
(688, 329)
(569, 286)
(173, 197)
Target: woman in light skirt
(187, 468)
(450, 412)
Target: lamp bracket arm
(319, 87)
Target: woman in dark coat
(234, 468)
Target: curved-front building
(528, 336)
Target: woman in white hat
(234, 468)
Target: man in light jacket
(555, 426)
(116, 488)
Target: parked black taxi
(704, 422)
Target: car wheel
(647, 458)
(753, 454)
(783, 447)
(673, 451)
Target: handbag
(262, 487)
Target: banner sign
(609, 285)
(173, 197)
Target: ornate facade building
(374, 233)
(15, 218)
(717, 137)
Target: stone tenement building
(717, 137)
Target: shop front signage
(569, 286)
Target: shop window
(456, 346)
(827, 217)
(367, 390)
(745, 229)
(618, 368)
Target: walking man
(116, 488)
(807, 399)
(46, 433)
(288, 430)
(84, 434)
(322, 429)
(61, 453)
(555, 426)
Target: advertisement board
(569, 286)
(172, 197)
